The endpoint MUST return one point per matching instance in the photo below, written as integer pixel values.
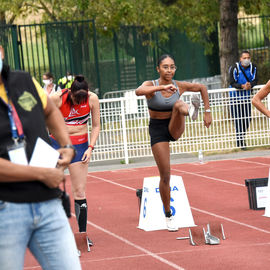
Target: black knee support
(81, 214)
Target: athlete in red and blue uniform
(76, 105)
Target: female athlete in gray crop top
(167, 121)
(160, 103)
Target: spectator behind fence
(49, 87)
(76, 104)
(31, 212)
(66, 81)
(243, 76)
(257, 99)
(167, 120)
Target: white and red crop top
(74, 114)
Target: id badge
(17, 153)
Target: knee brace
(81, 214)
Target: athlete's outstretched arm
(257, 99)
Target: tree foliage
(261, 7)
(11, 10)
(197, 18)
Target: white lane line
(209, 177)
(149, 253)
(230, 220)
(177, 252)
(254, 162)
(127, 241)
(200, 210)
(164, 253)
(109, 181)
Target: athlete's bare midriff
(77, 130)
(159, 115)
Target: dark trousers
(241, 113)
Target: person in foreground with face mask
(31, 212)
(243, 77)
(49, 87)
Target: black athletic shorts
(159, 131)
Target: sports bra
(160, 103)
(77, 114)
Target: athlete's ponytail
(79, 89)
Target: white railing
(124, 128)
(213, 82)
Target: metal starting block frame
(199, 236)
(83, 242)
(216, 229)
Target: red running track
(216, 192)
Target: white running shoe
(171, 224)
(194, 107)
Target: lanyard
(15, 122)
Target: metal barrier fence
(110, 60)
(124, 128)
(213, 82)
(253, 34)
(113, 61)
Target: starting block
(198, 236)
(215, 228)
(209, 238)
(83, 242)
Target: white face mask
(46, 82)
(1, 62)
(69, 77)
(245, 62)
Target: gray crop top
(160, 103)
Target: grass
(220, 136)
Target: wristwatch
(208, 110)
(71, 147)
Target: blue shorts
(80, 147)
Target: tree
(10, 10)
(228, 49)
(197, 18)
